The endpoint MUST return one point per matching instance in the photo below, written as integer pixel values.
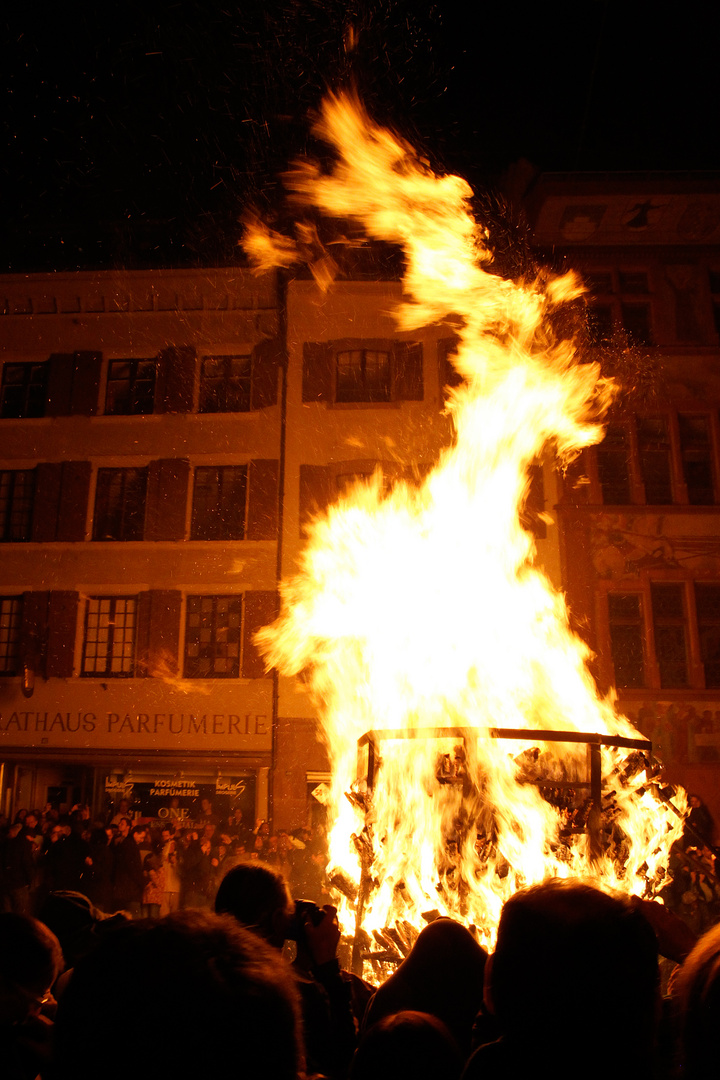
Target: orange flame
(423, 608)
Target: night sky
(137, 132)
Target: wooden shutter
(259, 609)
(61, 368)
(407, 360)
(167, 494)
(86, 383)
(318, 374)
(157, 642)
(62, 626)
(175, 381)
(33, 631)
(266, 358)
(262, 509)
(74, 495)
(317, 491)
(46, 503)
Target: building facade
(139, 474)
(639, 514)
(166, 436)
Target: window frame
(362, 393)
(650, 619)
(127, 656)
(32, 388)
(611, 290)
(228, 520)
(222, 395)
(677, 456)
(11, 616)
(123, 509)
(193, 663)
(134, 380)
(9, 509)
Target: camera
(304, 909)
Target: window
(616, 301)
(120, 504)
(668, 611)
(212, 637)
(23, 390)
(363, 375)
(225, 383)
(715, 291)
(17, 488)
(219, 496)
(696, 455)
(613, 472)
(626, 639)
(707, 606)
(10, 622)
(662, 456)
(654, 451)
(109, 643)
(130, 387)
(667, 608)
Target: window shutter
(265, 362)
(33, 631)
(61, 368)
(46, 505)
(167, 493)
(262, 513)
(407, 371)
(317, 491)
(74, 495)
(448, 374)
(175, 382)
(259, 609)
(62, 626)
(86, 383)
(317, 371)
(157, 646)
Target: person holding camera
(259, 898)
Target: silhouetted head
(257, 896)
(222, 1004)
(412, 1044)
(697, 995)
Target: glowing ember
(422, 608)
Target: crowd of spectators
(150, 868)
(213, 989)
(572, 985)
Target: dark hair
(571, 957)
(697, 995)
(30, 954)
(254, 894)
(197, 974)
(407, 1043)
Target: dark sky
(136, 132)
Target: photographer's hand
(322, 940)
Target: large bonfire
(420, 613)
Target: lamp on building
(27, 684)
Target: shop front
(146, 740)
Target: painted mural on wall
(681, 732)
(629, 545)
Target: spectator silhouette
(211, 988)
(412, 1044)
(573, 982)
(442, 975)
(697, 997)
